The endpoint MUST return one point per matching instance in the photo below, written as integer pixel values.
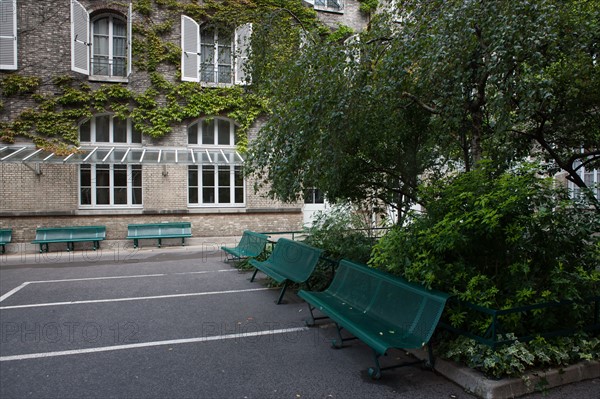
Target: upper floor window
(214, 55)
(100, 48)
(314, 196)
(215, 131)
(109, 129)
(8, 34)
(329, 5)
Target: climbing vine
(52, 115)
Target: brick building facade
(90, 41)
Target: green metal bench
(382, 310)
(290, 261)
(250, 246)
(159, 231)
(5, 238)
(44, 236)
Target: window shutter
(129, 39)
(190, 50)
(80, 26)
(8, 34)
(242, 52)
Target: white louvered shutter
(129, 39)
(243, 34)
(8, 34)
(190, 50)
(80, 27)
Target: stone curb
(475, 382)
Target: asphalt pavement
(181, 323)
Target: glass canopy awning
(123, 155)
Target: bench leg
(253, 275)
(159, 242)
(70, 246)
(135, 243)
(339, 343)
(183, 241)
(375, 372)
(3, 251)
(282, 292)
(313, 319)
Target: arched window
(101, 43)
(109, 46)
(109, 185)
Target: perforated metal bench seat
(382, 310)
(70, 235)
(159, 231)
(251, 245)
(290, 261)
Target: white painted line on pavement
(14, 290)
(38, 305)
(151, 344)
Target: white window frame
(111, 140)
(336, 6)
(82, 42)
(111, 187)
(591, 177)
(231, 169)
(229, 184)
(8, 34)
(192, 51)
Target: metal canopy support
(123, 154)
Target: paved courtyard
(179, 323)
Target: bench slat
(159, 231)
(70, 234)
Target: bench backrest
(294, 259)
(153, 229)
(72, 232)
(5, 235)
(252, 242)
(414, 308)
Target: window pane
(136, 136)
(136, 196)
(119, 130)
(119, 28)
(193, 195)
(208, 131)
(101, 26)
(193, 134)
(102, 176)
(136, 175)
(239, 195)
(84, 131)
(120, 176)
(119, 66)
(224, 196)
(224, 131)
(85, 176)
(193, 176)
(224, 176)
(102, 128)
(239, 177)
(208, 195)
(86, 196)
(208, 176)
(102, 196)
(120, 195)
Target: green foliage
(500, 240)
(164, 99)
(341, 33)
(342, 233)
(368, 6)
(14, 84)
(512, 360)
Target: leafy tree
(454, 83)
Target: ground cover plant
(503, 240)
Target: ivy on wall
(51, 117)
